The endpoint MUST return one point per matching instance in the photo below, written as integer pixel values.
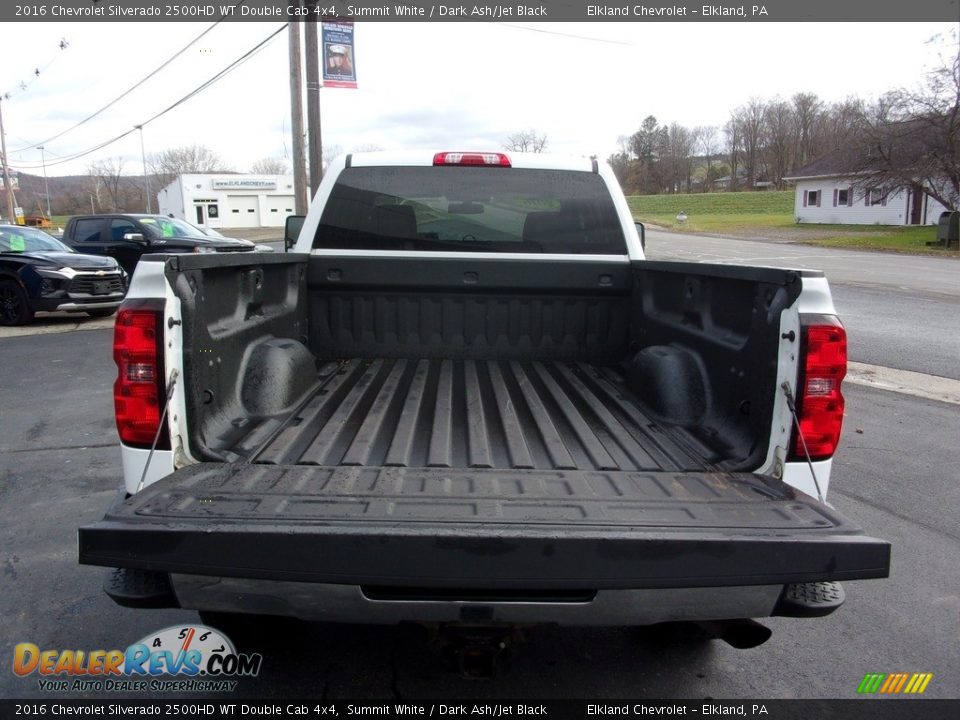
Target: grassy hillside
(715, 212)
(752, 203)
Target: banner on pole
(339, 62)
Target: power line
(125, 92)
(200, 88)
(37, 72)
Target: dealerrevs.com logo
(177, 659)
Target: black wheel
(14, 308)
(101, 313)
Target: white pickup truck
(467, 398)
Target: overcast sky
(442, 85)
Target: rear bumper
(502, 530)
(319, 602)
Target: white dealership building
(229, 201)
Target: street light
(143, 157)
(46, 188)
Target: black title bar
(418, 11)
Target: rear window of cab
(471, 209)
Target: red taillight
(139, 392)
(819, 397)
(472, 158)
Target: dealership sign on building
(242, 184)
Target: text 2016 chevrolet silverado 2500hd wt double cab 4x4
(466, 397)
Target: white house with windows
(824, 195)
(229, 201)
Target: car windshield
(164, 227)
(24, 239)
(470, 209)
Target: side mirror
(135, 237)
(291, 231)
(642, 232)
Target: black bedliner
(478, 414)
(423, 527)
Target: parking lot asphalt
(895, 475)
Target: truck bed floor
(477, 414)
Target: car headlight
(61, 274)
(202, 249)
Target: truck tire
(14, 306)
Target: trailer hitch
(474, 649)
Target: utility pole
(313, 102)
(46, 188)
(143, 158)
(7, 185)
(296, 117)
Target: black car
(126, 237)
(40, 273)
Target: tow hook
(475, 649)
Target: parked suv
(40, 273)
(127, 237)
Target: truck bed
(435, 413)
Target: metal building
(229, 201)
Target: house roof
(829, 165)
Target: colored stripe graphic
(894, 683)
(918, 683)
(871, 682)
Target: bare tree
(734, 135)
(106, 179)
(270, 166)
(526, 141)
(330, 153)
(675, 156)
(749, 119)
(911, 138)
(807, 110)
(708, 144)
(172, 162)
(778, 140)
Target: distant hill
(73, 194)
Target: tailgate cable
(796, 421)
(163, 416)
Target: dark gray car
(126, 237)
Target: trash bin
(948, 229)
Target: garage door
(241, 211)
(276, 209)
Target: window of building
(811, 198)
(843, 197)
(876, 196)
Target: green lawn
(910, 239)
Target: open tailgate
(433, 527)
